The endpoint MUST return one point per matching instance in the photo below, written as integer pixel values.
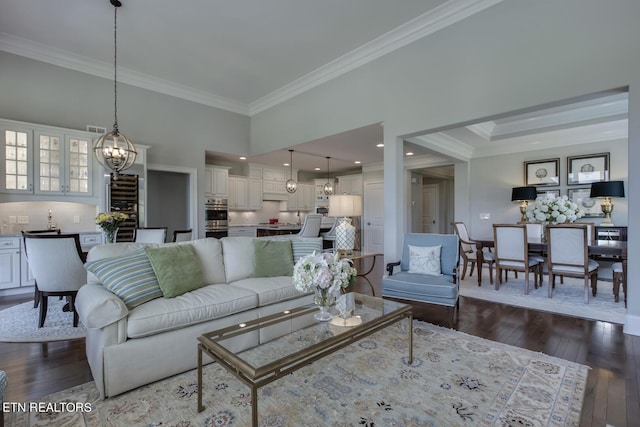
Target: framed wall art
(587, 169)
(545, 191)
(542, 172)
(590, 207)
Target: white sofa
(129, 348)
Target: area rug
(20, 323)
(568, 298)
(455, 380)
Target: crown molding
(428, 23)
(62, 58)
(445, 145)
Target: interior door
(430, 208)
(373, 223)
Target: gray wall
(178, 131)
(168, 201)
(517, 54)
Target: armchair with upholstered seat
(311, 226)
(151, 235)
(428, 271)
(57, 264)
(512, 253)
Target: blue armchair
(427, 288)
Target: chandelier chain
(115, 69)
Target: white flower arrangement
(323, 273)
(558, 210)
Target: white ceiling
(248, 55)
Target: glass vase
(323, 300)
(110, 236)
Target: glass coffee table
(262, 350)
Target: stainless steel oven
(216, 216)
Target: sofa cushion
(238, 257)
(130, 277)
(109, 250)
(177, 269)
(272, 258)
(209, 251)
(201, 305)
(303, 246)
(269, 289)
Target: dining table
(607, 248)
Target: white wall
(515, 55)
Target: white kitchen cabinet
(302, 199)
(43, 160)
(9, 262)
(216, 181)
(254, 201)
(274, 181)
(238, 192)
(349, 184)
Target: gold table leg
(200, 406)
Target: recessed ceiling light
(243, 158)
(380, 145)
(357, 162)
(285, 164)
(316, 169)
(409, 153)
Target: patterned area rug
(20, 323)
(568, 298)
(455, 380)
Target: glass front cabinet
(45, 161)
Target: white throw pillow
(425, 260)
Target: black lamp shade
(519, 194)
(607, 189)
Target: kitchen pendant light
(328, 187)
(292, 185)
(114, 150)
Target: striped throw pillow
(305, 246)
(130, 277)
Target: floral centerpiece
(109, 222)
(326, 274)
(556, 210)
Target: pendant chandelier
(328, 187)
(292, 185)
(114, 150)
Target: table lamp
(345, 206)
(607, 189)
(523, 195)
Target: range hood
(275, 196)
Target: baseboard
(17, 291)
(631, 325)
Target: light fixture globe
(115, 151)
(328, 187)
(291, 184)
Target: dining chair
(511, 253)
(568, 255)
(618, 278)
(151, 235)
(468, 250)
(311, 226)
(57, 265)
(330, 236)
(182, 235)
(36, 294)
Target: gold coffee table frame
(377, 314)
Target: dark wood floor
(612, 395)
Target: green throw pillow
(130, 277)
(177, 268)
(272, 258)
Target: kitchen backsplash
(270, 209)
(69, 217)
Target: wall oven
(216, 212)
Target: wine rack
(124, 198)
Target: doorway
(171, 200)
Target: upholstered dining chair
(151, 235)
(36, 294)
(57, 265)
(568, 256)
(182, 235)
(618, 278)
(330, 236)
(468, 252)
(311, 226)
(512, 253)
